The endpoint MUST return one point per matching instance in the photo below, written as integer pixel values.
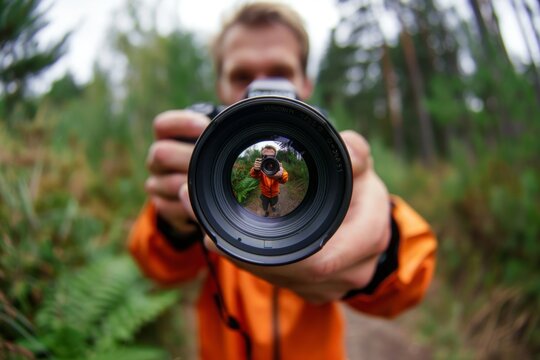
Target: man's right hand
(257, 164)
(168, 163)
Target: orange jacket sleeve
(416, 264)
(256, 174)
(156, 257)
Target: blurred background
(446, 92)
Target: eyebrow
(247, 69)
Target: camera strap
(229, 320)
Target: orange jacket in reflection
(269, 186)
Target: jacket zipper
(275, 324)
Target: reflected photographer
(270, 174)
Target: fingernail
(183, 193)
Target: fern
(244, 188)
(95, 312)
(128, 316)
(131, 353)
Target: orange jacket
(269, 186)
(277, 318)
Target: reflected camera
(269, 166)
(248, 213)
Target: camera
(232, 202)
(269, 166)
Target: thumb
(359, 151)
(183, 194)
(184, 198)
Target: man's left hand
(279, 174)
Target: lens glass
(270, 178)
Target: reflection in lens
(270, 178)
(270, 166)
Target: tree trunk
(482, 28)
(393, 98)
(536, 78)
(417, 86)
(535, 30)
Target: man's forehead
(241, 38)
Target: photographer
(269, 184)
(380, 261)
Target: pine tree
(21, 59)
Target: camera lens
(313, 181)
(269, 166)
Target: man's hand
(257, 164)
(349, 258)
(168, 162)
(279, 174)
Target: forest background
(453, 120)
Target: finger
(166, 186)
(359, 151)
(364, 232)
(167, 156)
(180, 123)
(171, 210)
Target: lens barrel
(241, 233)
(269, 166)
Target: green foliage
(165, 71)
(42, 225)
(242, 183)
(20, 56)
(482, 195)
(71, 183)
(243, 188)
(64, 90)
(96, 311)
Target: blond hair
(258, 14)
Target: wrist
(179, 238)
(388, 263)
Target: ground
(374, 338)
(288, 201)
(367, 337)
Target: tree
(63, 90)
(20, 56)
(164, 71)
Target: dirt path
(287, 202)
(373, 338)
(366, 338)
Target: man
(380, 261)
(269, 184)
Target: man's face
(268, 153)
(251, 53)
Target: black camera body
(270, 112)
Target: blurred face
(268, 153)
(251, 53)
